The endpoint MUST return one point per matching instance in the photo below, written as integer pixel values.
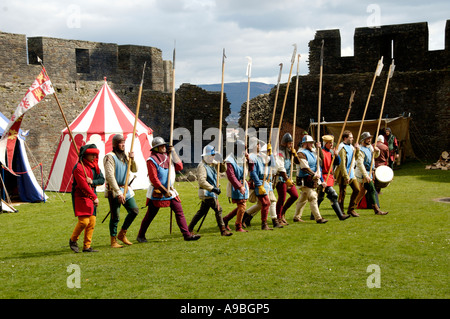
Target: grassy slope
(410, 244)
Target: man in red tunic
(328, 152)
(161, 192)
(84, 197)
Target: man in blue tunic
(116, 164)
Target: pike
(320, 94)
(376, 74)
(273, 115)
(340, 135)
(219, 146)
(127, 176)
(390, 75)
(134, 129)
(285, 95)
(294, 122)
(249, 74)
(172, 117)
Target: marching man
(308, 178)
(161, 192)
(208, 191)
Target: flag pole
(134, 130)
(172, 118)
(390, 74)
(294, 122)
(65, 119)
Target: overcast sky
(265, 30)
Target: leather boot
(264, 226)
(73, 245)
(353, 213)
(338, 211)
(246, 219)
(276, 224)
(240, 229)
(114, 243)
(377, 210)
(225, 232)
(192, 237)
(283, 218)
(122, 237)
(321, 221)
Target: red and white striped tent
(105, 116)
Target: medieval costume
(208, 191)
(86, 177)
(392, 143)
(161, 192)
(328, 180)
(345, 174)
(284, 184)
(362, 172)
(116, 166)
(237, 188)
(308, 178)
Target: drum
(383, 176)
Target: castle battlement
(407, 42)
(82, 60)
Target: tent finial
(104, 78)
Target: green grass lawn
(308, 260)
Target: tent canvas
(25, 184)
(105, 116)
(398, 125)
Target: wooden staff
(320, 94)
(249, 74)
(340, 135)
(134, 131)
(390, 74)
(219, 146)
(172, 118)
(273, 118)
(294, 122)
(376, 74)
(285, 95)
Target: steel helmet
(307, 139)
(209, 150)
(158, 141)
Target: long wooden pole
(266, 173)
(172, 118)
(220, 144)
(136, 118)
(319, 106)
(390, 74)
(375, 75)
(249, 73)
(340, 135)
(285, 96)
(65, 120)
(294, 121)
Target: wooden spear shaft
(219, 146)
(294, 122)
(273, 119)
(340, 135)
(172, 118)
(249, 71)
(134, 131)
(376, 74)
(320, 93)
(390, 73)
(285, 96)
